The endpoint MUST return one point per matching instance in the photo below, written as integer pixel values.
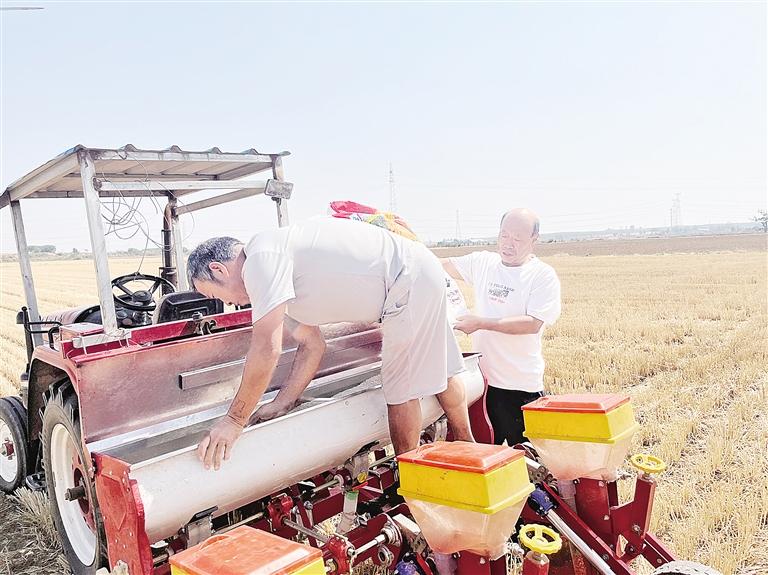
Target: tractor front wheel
(71, 492)
(13, 443)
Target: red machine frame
(617, 532)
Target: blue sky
(592, 114)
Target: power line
(676, 212)
(392, 197)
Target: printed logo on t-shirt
(499, 292)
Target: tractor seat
(72, 315)
(185, 304)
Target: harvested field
(637, 246)
(29, 545)
(683, 327)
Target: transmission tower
(676, 213)
(458, 226)
(392, 197)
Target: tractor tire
(78, 522)
(13, 443)
(685, 568)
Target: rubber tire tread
(21, 409)
(63, 408)
(13, 413)
(685, 568)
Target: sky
(594, 115)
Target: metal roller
(338, 418)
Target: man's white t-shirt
(511, 361)
(328, 270)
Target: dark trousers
(504, 411)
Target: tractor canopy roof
(93, 174)
(61, 176)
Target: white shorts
(419, 351)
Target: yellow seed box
(471, 476)
(590, 418)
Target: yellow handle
(647, 463)
(534, 537)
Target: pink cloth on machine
(350, 210)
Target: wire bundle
(125, 220)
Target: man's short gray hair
(214, 250)
(535, 223)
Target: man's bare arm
(309, 353)
(260, 362)
(451, 269)
(515, 325)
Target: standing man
(516, 295)
(329, 270)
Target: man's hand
(469, 323)
(218, 444)
(271, 410)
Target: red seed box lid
(245, 551)
(579, 402)
(461, 456)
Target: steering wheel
(139, 300)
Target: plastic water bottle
(457, 306)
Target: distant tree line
(46, 249)
(49, 252)
(762, 220)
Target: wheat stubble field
(680, 324)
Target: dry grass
(684, 333)
(28, 545)
(687, 336)
(688, 341)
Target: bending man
(326, 271)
